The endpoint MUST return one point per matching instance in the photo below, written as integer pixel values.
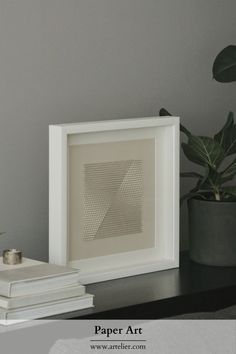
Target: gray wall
(75, 60)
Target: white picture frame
(163, 135)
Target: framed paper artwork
(114, 196)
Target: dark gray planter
(212, 232)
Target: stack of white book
(35, 289)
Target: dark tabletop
(190, 288)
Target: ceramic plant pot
(212, 232)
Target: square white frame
(165, 254)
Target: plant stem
(231, 164)
(217, 195)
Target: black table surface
(190, 288)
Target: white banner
(120, 336)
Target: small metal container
(12, 256)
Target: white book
(45, 310)
(33, 277)
(39, 298)
(26, 262)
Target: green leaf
(213, 180)
(229, 173)
(224, 67)
(229, 198)
(210, 183)
(231, 146)
(203, 151)
(185, 131)
(163, 112)
(224, 134)
(206, 175)
(190, 196)
(230, 190)
(201, 189)
(227, 136)
(191, 175)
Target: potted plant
(212, 202)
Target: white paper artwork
(113, 199)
